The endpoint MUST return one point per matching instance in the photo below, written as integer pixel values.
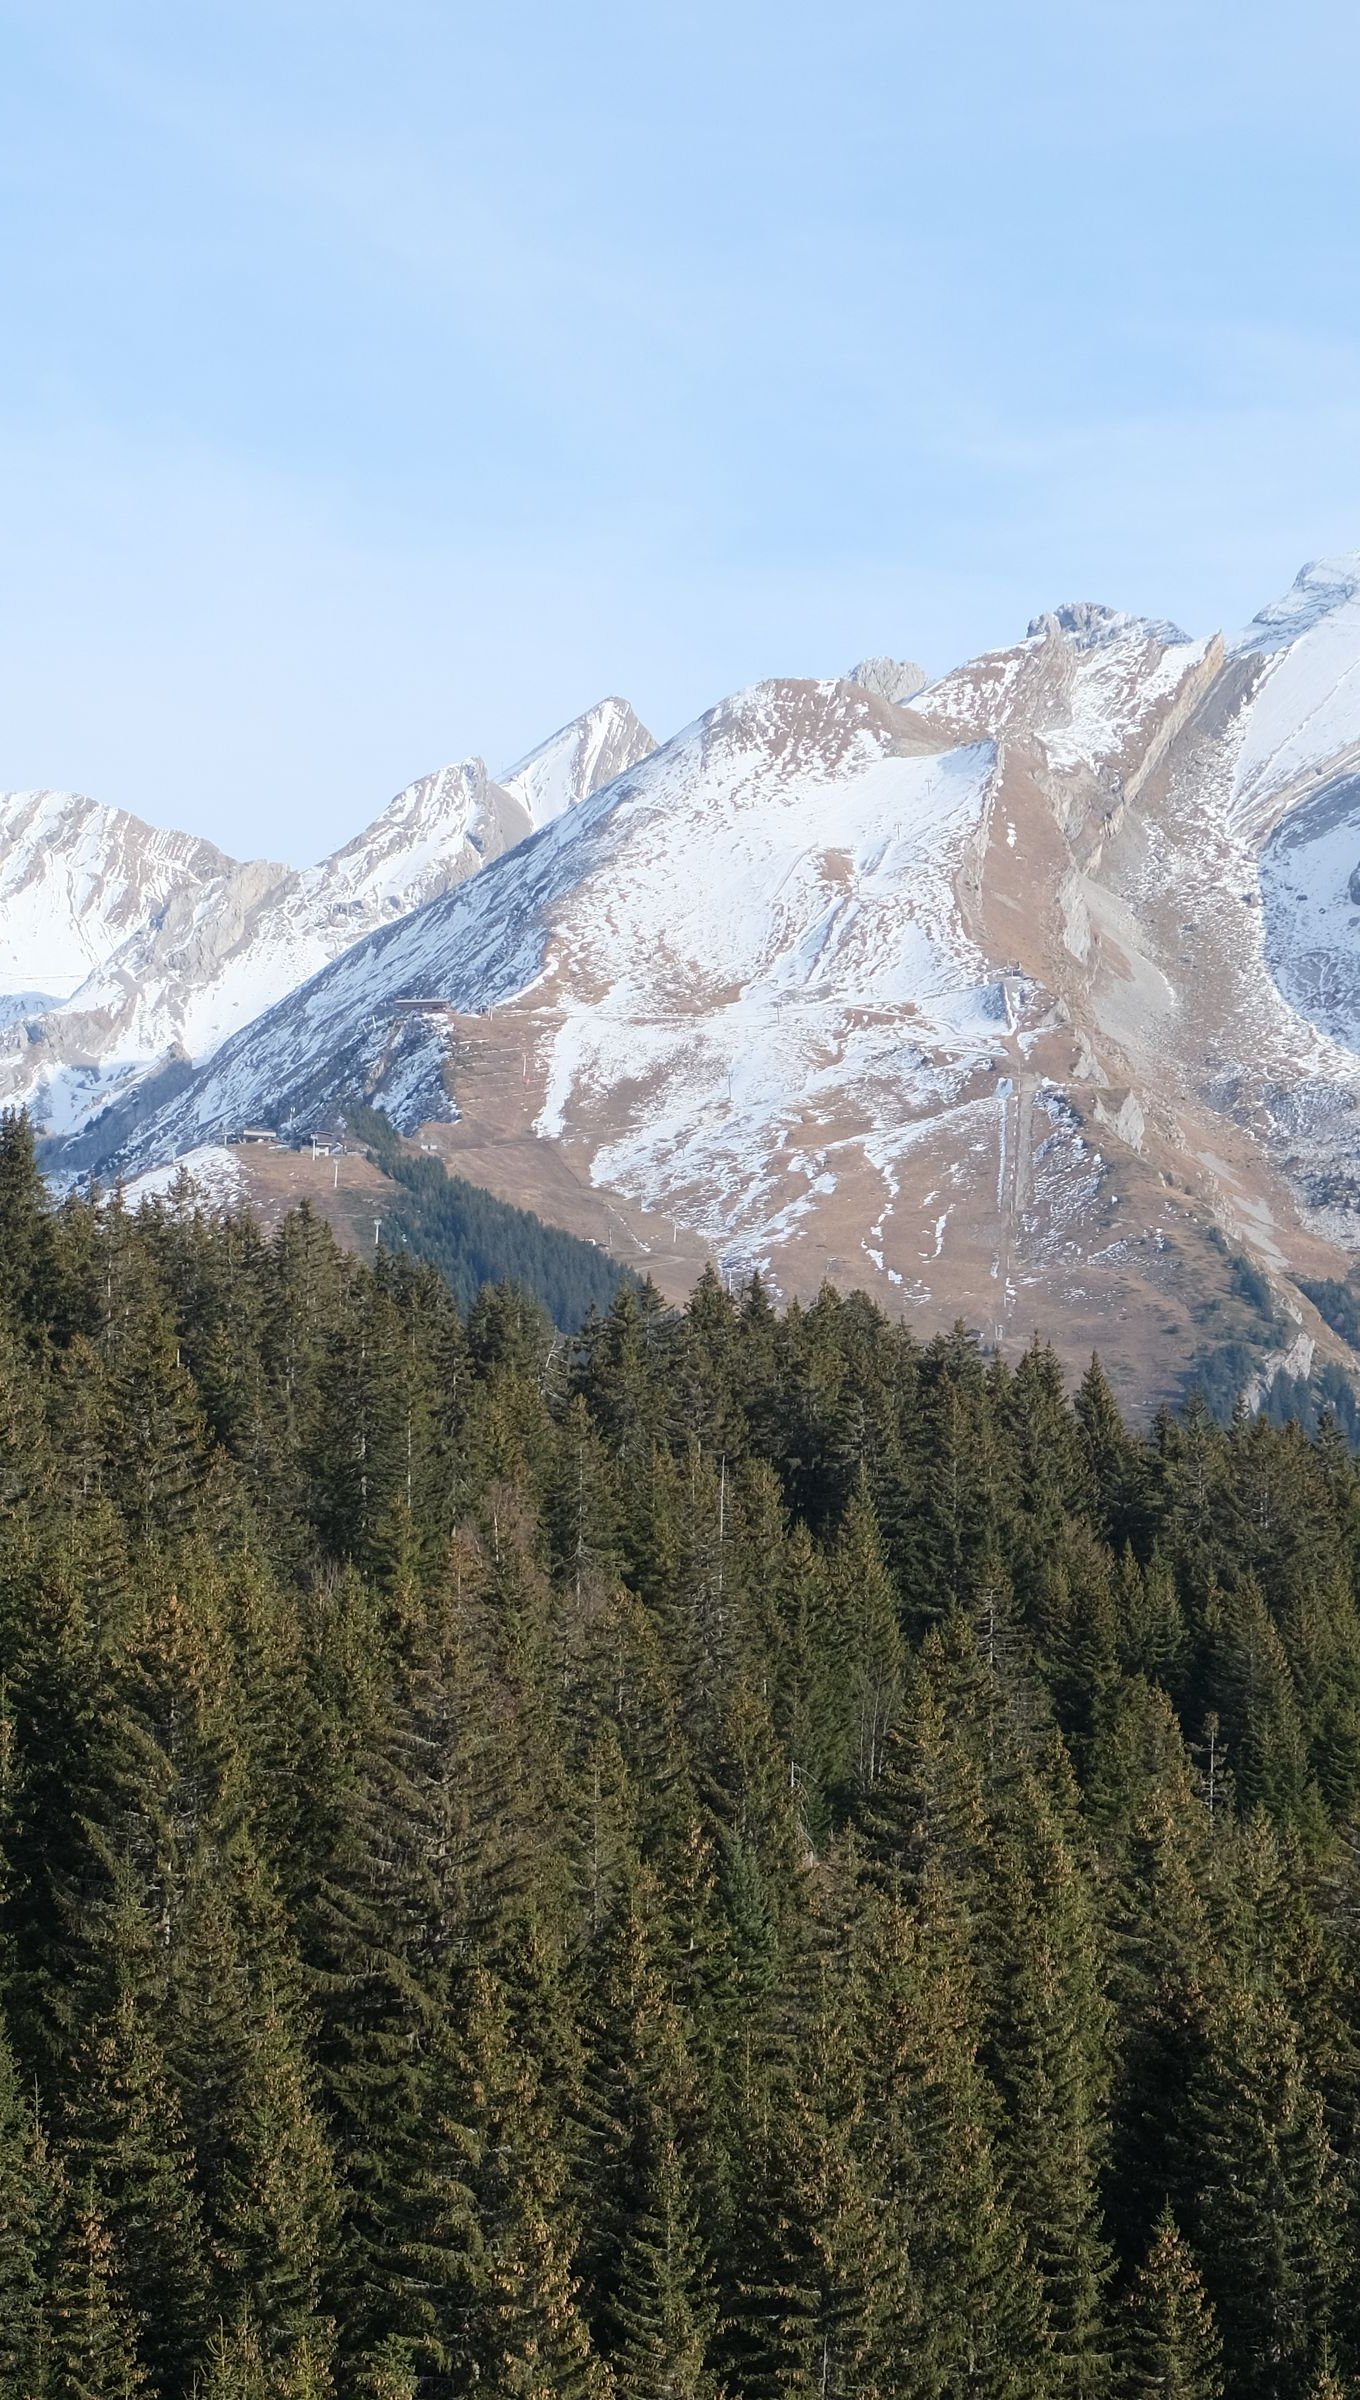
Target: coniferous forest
(473, 1238)
(740, 1854)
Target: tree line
(738, 1854)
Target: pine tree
(515, 2322)
(25, 2210)
(1268, 2202)
(1167, 1983)
(1048, 2052)
(976, 2321)
(91, 2350)
(235, 2368)
(868, 1638)
(27, 1257)
(1327, 2384)
(1151, 1633)
(819, 2291)
(278, 2204)
(641, 2090)
(126, 2148)
(663, 2313)
(1114, 1465)
(1252, 1691)
(1169, 2342)
(387, 2374)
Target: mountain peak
(578, 759)
(1091, 625)
(1319, 590)
(437, 830)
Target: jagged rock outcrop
(895, 679)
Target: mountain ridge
(181, 945)
(1000, 998)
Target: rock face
(1034, 1000)
(127, 953)
(895, 679)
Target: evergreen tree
(1269, 2220)
(663, 2314)
(90, 2344)
(126, 2144)
(1048, 2050)
(732, 1854)
(28, 1274)
(25, 2208)
(1170, 2345)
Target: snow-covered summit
(1319, 590)
(138, 949)
(437, 830)
(1091, 625)
(577, 760)
(76, 879)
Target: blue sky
(383, 383)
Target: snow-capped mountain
(999, 994)
(1029, 994)
(154, 947)
(705, 910)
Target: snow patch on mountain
(1120, 681)
(1310, 887)
(757, 962)
(211, 1177)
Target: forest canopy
(738, 1852)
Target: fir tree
(1170, 2345)
(90, 2342)
(25, 2210)
(663, 2313)
(1268, 2202)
